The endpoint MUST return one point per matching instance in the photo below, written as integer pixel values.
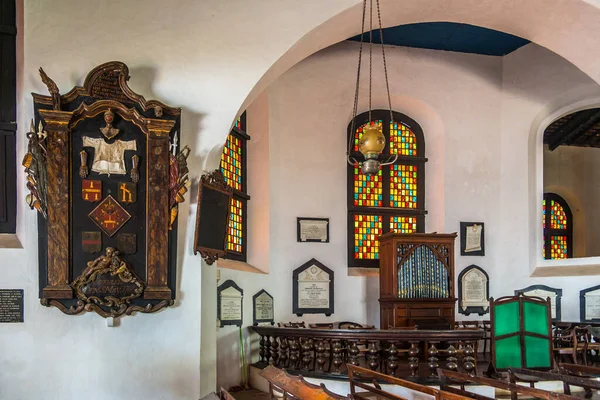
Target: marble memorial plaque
(545, 292)
(313, 230)
(473, 291)
(230, 304)
(11, 305)
(313, 289)
(263, 307)
(592, 305)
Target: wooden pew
(448, 378)
(370, 381)
(566, 379)
(295, 387)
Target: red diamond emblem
(109, 216)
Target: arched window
(394, 199)
(558, 227)
(233, 166)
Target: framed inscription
(263, 309)
(11, 305)
(212, 216)
(312, 289)
(312, 230)
(544, 292)
(472, 239)
(230, 300)
(589, 304)
(473, 291)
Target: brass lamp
(372, 140)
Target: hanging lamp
(372, 141)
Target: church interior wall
(475, 112)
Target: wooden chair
(295, 387)
(487, 328)
(571, 342)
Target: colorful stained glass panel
(544, 213)
(402, 140)
(235, 231)
(238, 123)
(558, 218)
(403, 224)
(368, 190)
(558, 247)
(231, 162)
(367, 229)
(359, 132)
(403, 186)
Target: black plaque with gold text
(11, 305)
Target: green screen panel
(506, 318)
(537, 352)
(508, 352)
(535, 316)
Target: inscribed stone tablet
(544, 294)
(11, 305)
(313, 288)
(474, 290)
(231, 305)
(263, 307)
(592, 305)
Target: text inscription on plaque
(313, 289)
(11, 305)
(545, 292)
(313, 230)
(229, 303)
(263, 307)
(473, 291)
(590, 304)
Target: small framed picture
(472, 239)
(313, 230)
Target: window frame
(8, 114)
(385, 211)
(548, 232)
(241, 195)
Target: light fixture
(372, 142)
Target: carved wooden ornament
(99, 173)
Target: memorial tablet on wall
(230, 300)
(473, 291)
(544, 292)
(263, 308)
(106, 171)
(472, 239)
(312, 289)
(312, 230)
(11, 305)
(589, 304)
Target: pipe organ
(416, 280)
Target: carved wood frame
(59, 125)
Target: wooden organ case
(416, 280)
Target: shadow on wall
(141, 82)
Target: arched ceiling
(448, 36)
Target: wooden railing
(394, 352)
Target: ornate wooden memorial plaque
(230, 301)
(263, 308)
(313, 289)
(544, 292)
(106, 174)
(212, 217)
(473, 291)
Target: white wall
(476, 113)
(573, 173)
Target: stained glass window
(403, 186)
(367, 229)
(231, 162)
(234, 231)
(402, 140)
(557, 226)
(368, 190)
(392, 200)
(403, 224)
(233, 166)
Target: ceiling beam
(574, 128)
